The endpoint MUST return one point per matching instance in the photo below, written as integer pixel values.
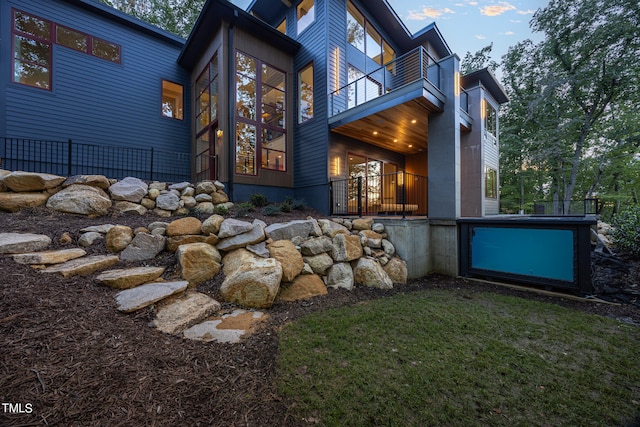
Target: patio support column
(444, 147)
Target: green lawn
(450, 358)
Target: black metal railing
(415, 65)
(588, 206)
(72, 158)
(400, 193)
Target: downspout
(231, 105)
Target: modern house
(294, 99)
(330, 101)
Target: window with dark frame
(261, 116)
(305, 94)
(490, 183)
(32, 52)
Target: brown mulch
(67, 351)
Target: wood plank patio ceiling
(402, 128)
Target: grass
(448, 358)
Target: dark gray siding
(311, 137)
(92, 100)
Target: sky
(469, 25)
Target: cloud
(497, 9)
(427, 12)
(526, 12)
(480, 37)
(508, 33)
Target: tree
(565, 91)
(175, 16)
(479, 60)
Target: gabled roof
(213, 13)
(381, 11)
(136, 24)
(486, 79)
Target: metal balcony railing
(413, 66)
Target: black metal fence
(72, 158)
(400, 193)
(588, 206)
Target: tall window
(490, 119)
(207, 95)
(172, 100)
(306, 14)
(305, 94)
(260, 134)
(31, 50)
(362, 35)
(490, 183)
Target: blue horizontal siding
(92, 100)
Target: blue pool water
(544, 253)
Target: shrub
(270, 210)
(258, 200)
(626, 231)
(286, 206)
(243, 208)
(297, 204)
(222, 210)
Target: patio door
(370, 173)
(206, 154)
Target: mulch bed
(67, 351)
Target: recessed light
(410, 145)
(395, 140)
(413, 121)
(375, 132)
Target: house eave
(486, 79)
(122, 18)
(213, 14)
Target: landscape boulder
(14, 202)
(198, 262)
(23, 182)
(254, 284)
(80, 199)
(129, 189)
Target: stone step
(185, 311)
(49, 257)
(228, 328)
(17, 243)
(83, 266)
(127, 278)
(134, 299)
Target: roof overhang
(486, 79)
(213, 14)
(396, 121)
(122, 18)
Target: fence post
(330, 198)
(360, 196)
(69, 156)
(151, 167)
(404, 194)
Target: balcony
(395, 100)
